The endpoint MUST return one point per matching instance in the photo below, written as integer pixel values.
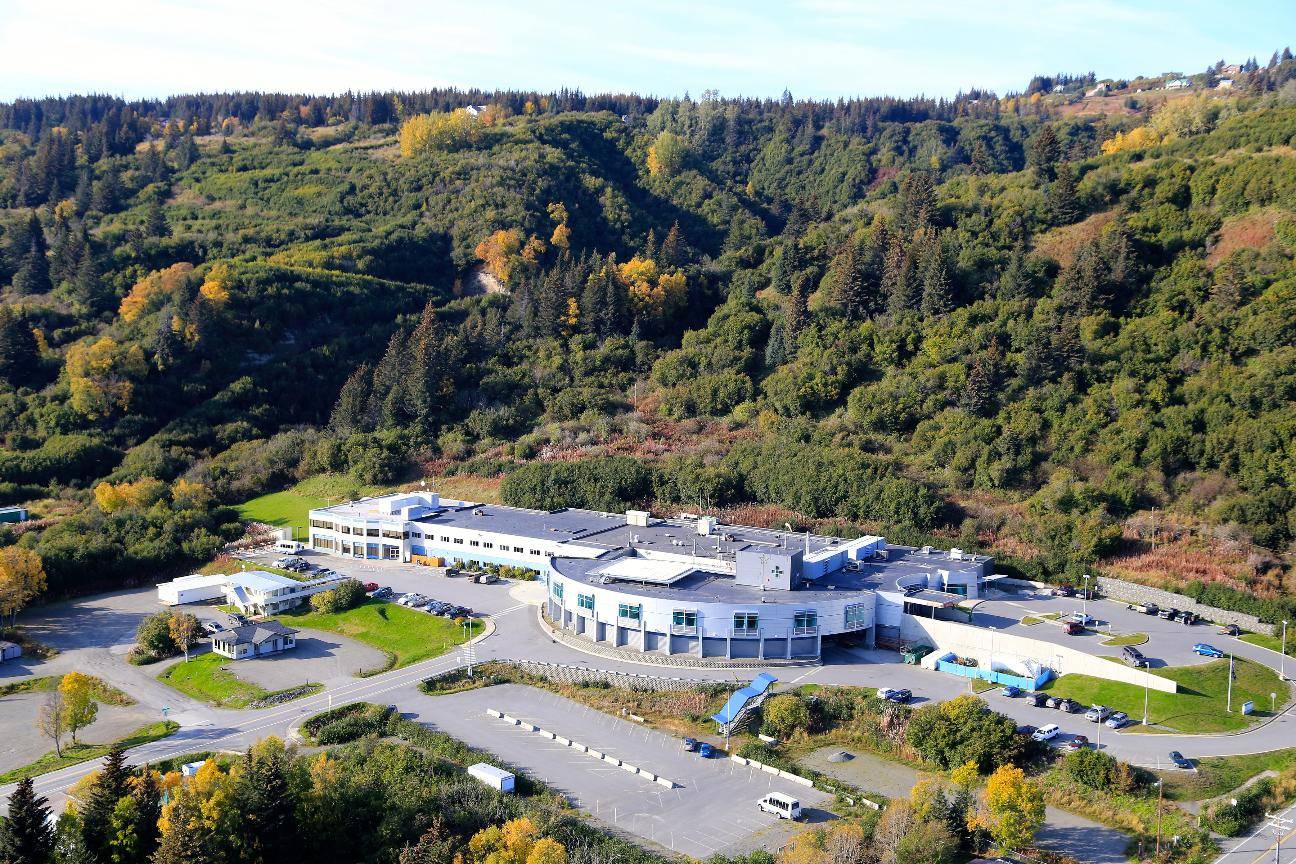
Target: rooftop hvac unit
(706, 525)
(956, 554)
(926, 550)
(637, 517)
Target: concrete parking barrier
(768, 769)
(492, 712)
(796, 778)
(651, 776)
(669, 784)
(566, 742)
(611, 760)
(626, 766)
(597, 754)
(740, 760)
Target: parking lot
(712, 810)
(1169, 642)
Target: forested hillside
(1057, 328)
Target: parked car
(1167, 614)
(1027, 729)
(705, 750)
(782, 806)
(891, 694)
(1052, 702)
(1186, 618)
(371, 586)
(1064, 591)
(1077, 742)
(1230, 630)
(1098, 713)
(381, 593)
(1012, 692)
(239, 620)
(690, 744)
(487, 579)
(1071, 628)
(1179, 760)
(1133, 656)
(1046, 733)
(210, 627)
(1207, 650)
(1081, 618)
(1069, 706)
(1118, 720)
(1151, 609)
(1036, 699)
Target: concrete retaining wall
(968, 641)
(1131, 592)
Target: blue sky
(815, 48)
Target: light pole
(1282, 658)
(1230, 685)
(1146, 680)
(1084, 613)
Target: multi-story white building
(254, 592)
(688, 585)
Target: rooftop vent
(926, 550)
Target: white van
(288, 546)
(1044, 733)
(782, 806)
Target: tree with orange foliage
(500, 252)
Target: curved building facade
(687, 585)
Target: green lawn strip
(1198, 707)
(1126, 639)
(74, 754)
(205, 678)
(1219, 775)
(405, 635)
(1273, 643)
(1031, 620)
(103, 691)
(289, 508)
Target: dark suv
(1134, 657)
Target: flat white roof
(261, 579)
(194, 580)
(649, 570)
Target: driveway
(1074, 836)
(319, 656)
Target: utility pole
(1160, 796)
(1146, 677)
(1084, 613)
(1280, 828)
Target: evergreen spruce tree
(110, 785)
(349, 412)
(107, 197)
(267, 805)
(33, 276)
(937, 299)
(18, 353)
(797, 312)
(672, 254)
(1014, 281)
(155, 220)
(916, 207)
(776, 347)
(1044, 152)
(897, 278)
(25, 835)
(1064, 205)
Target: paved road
(1258, 846)
(112, 619)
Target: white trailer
(496, 778)
(191, 589)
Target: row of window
(418, 535)
(685, 621)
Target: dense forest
(1058, 328)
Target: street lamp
(1146, 678)
(1084, 614)
(1282, 658)
(1230, 685)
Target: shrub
(1090, 767)
(153, 639)
(347, 595)
(785, 715)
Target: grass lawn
(288, 509)
(1199, 706)
(405, 635)
(1217, 775)
(76, 753)
(1126, 639)
(1273, 643)
(203, 677)
(103, 691)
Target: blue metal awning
(737, 701)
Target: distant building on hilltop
(1178, 84)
